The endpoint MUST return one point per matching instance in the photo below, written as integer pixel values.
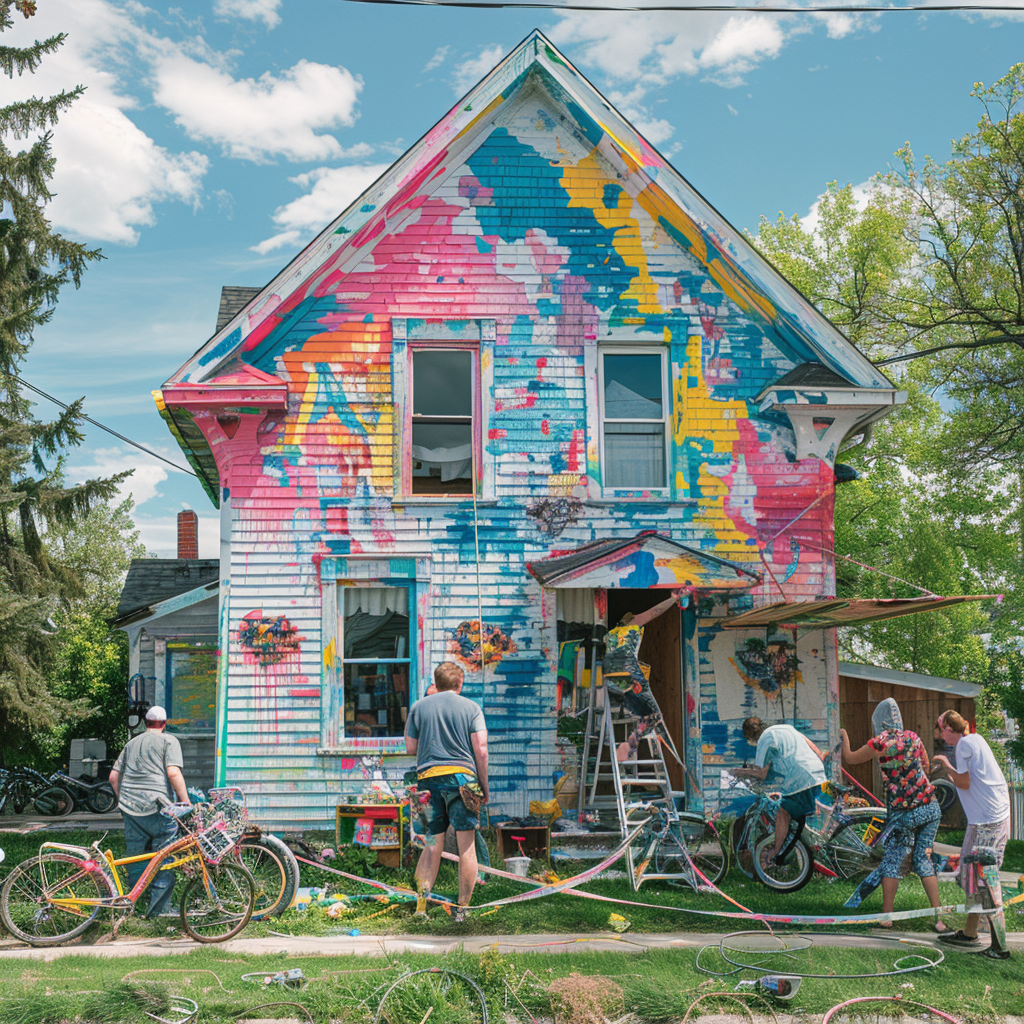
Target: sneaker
(996, 954)
(958, 938)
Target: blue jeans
(916, 831)
(144, 834)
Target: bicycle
(836, 848)
(59, 894)
(681, 846)
(98, 797)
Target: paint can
(518, 866)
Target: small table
(388, 854)
(535, 841)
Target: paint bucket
(518, 866)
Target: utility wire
(830, 9)
(109, 430)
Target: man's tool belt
(472, 796)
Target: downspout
(224, 641)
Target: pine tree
(35, 263)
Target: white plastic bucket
(518, 865)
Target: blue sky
(217, 137)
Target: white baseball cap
(156, 714)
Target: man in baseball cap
(149, 768)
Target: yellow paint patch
(585, 184)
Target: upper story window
(443, 419)
(377, 642)
(634, 419)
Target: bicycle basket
(233, 816)
(215, 842)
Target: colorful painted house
(530, 377)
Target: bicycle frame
(95, 859)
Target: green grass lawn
(658, 986)
(560, 913)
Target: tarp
(836, 611)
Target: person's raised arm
(479, 740)
(652, 613)
(859, 756)
(411, 743)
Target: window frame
(409, 586)
(635, 350)
(476, 434)
(337, 573)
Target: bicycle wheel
(756, 829)
(794, 874)
(847, 854)
(275, 872)
(26, 899)
(217, 912)
(101, 800)
(705, 846)
(53, 801)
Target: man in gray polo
(147, 769)
(448, 736)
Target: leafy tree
(35, 263)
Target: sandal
(940, 927)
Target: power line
(831, 9)
(109, 430)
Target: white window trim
(634, 350)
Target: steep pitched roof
(152, 580)
(736, 267)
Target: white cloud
(650, 48)
(470, 71)
(109, 199)
(655, 129)
(732, 110)
(440, 56)
(257, 119)
(861, 197)
(109, 173)
(251, 10)
(333, 190)
(143, 484)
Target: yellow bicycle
(59, 894)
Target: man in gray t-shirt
(447, 734)
(148, 769)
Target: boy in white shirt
(985, 798)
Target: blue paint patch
(611, 196)
(367, 208)
(644, 574)
(482, 246)
(223, 348)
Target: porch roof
(834, 611)
(648, 560)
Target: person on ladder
(628, 679)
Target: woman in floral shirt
(903, 763)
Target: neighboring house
(529, 373)
(168, 608)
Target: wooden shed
(922, 698)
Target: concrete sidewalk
(383, 945)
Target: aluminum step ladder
(640, 784)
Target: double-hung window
(634, 419)
(442, 400)
(377, 641)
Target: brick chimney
(188, 534)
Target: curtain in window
(376, 600)
(575, 604)
(634, 455)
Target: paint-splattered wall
(533, 244)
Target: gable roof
(644, 561)
(152, 580)
(742, 273)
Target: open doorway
(662, 650)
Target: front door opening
(662, 650)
